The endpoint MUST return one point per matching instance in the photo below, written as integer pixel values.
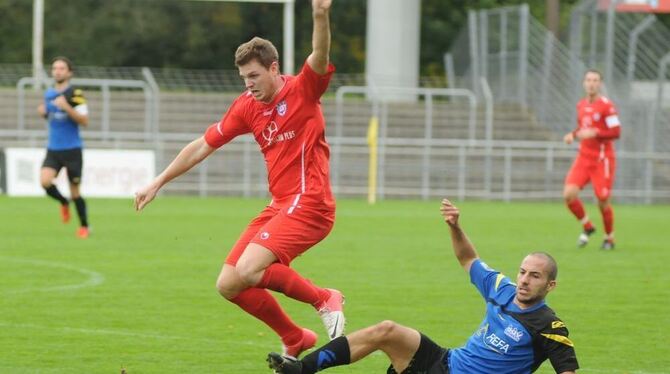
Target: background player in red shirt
(283, 113)
(597, 127)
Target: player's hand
(144, 196)
(42, 110)
(321, 5)
(569, 138)
(61, 102)
(449, 212)
(586, 133)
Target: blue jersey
(511, 340)
(63, 130)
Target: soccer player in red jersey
(598, 127)
(283, 113)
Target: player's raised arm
(189, 156)
(463, 249)
(319, 58)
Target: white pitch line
(79, 330)
(94, 278)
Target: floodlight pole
(38, 42)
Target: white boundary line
(79, 330)
(94, 278)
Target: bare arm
(319, 58)
(463, 249)
(62, 103)
(568, 372)
(191, 155)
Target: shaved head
(551, 267)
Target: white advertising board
(107, 173)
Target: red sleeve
(231, 125)
(610, 133)
(612, 128)
(313, 84)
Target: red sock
(262, 305)
(577, 208)
(281, 278)
(608, 220)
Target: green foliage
(157, 310)
(205, 35)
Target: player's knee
(226, 287)
(603, 202)
(46, 182)
(569, 194)
(384, 330)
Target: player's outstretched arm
(191, 155)
(463, 249)
(320, 57)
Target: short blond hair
(259, 49)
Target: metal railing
(520, 170)
(379, 109)
(104, 85)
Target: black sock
(53, 192)
(335, 353)
(81, 210)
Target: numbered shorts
(70, 159)
(286, 231)
(600, 172)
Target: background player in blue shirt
(65, 109)
(517, 334)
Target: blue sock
(335, 353)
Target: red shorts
(286, 230)
(599, 171)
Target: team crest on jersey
(282, 108)
(514, 333)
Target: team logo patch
(557, 324)
(265, 235)
(514, 333)
(282, 108)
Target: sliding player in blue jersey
(65, 109)
(518, 333)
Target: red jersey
(602, 116)
(291, 134)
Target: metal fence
(447, 142)
(526, 64)
(633, 50)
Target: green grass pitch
(139, 294)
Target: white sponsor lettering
(270, 134)
(514, 333)
(496, 343)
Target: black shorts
(430, 358)
(70, 159)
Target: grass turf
(139, 294)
